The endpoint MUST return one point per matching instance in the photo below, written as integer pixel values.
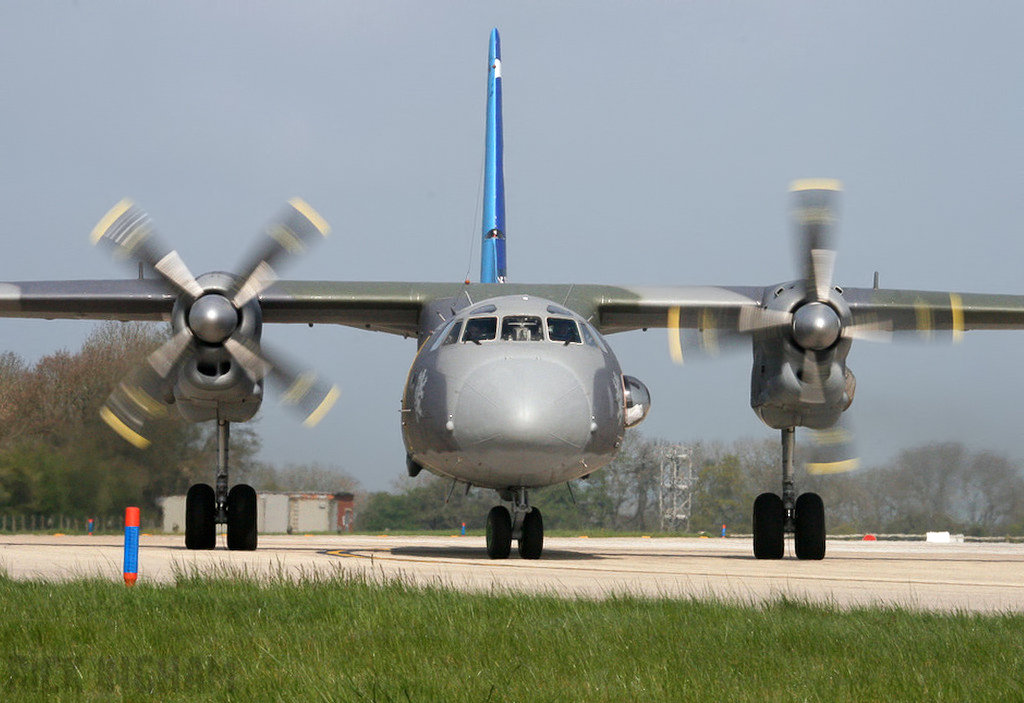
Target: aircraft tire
(531, 543)
(200, 517)
(809, 535)
(241, 509)
(769, 525)
(499, 533)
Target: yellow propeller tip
(310, 214)
(832, 467)
(126, 432)
(328, 402)
(107, 220)
(815, 184)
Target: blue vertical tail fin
(492, 253)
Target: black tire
(499, 533)
(200, 517)
(241, 509)
(809, 535)
(769, 527)
(531, 542)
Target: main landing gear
(206, 507)
(527, 528)
(803, 517)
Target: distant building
(290, 513)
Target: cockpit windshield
(521, 328)
(453, 336)
(516, 328)
(480, 329)
(563, 330)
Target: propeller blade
(141, 396)
(303, 390)
(831, 451)
(129, 231)
(249, 355)
(711, 338)
(870, 331)
(823, 262)
(815, 217)
(310, 395)
(760, 319)
(164, 360)
(298, 228)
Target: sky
(645, 143)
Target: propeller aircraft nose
(536, 409)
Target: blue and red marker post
(89, 525)
(131, 546)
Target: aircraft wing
(398, 307)
(698, 307)
(910, 310)
(382, 306)
(128, 299)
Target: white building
(291, 513)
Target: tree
(57, 456)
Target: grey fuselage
(514, 391)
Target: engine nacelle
(637, 399)
(211, 384)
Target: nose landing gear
(803, 516)
(206, 507)
(527, 527)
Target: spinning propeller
(216, 320)
(820, 318)
(808, 321)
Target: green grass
(337, 638)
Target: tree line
(58, 458)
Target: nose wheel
(206, 507)
(499, 533)
(803, 516)
(527, 528)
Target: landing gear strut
(206, 507)
(527, 527)
(803, 516)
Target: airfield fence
(13, 523)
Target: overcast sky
(646, 142)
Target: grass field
(335, 638)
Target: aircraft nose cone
(213, 318)
(529, 412)
(816, 326)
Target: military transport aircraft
(514, 386)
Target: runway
(946, 577)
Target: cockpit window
(563, 330)
(480, 329)
(591, 339)
(521, 328)
(440, 335)
(453, 336)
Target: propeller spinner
(216, 323)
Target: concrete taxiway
(965, 577)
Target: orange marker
(131, 546)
